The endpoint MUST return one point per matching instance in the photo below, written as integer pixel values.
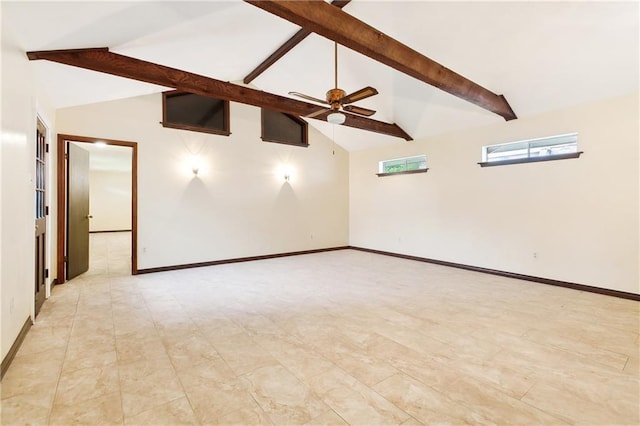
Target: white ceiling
(541, 55)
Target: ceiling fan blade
(309, 98)
(358, 95)
(317, 113)
(359, 110)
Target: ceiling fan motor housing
(334, 95)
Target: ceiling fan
(337, 99)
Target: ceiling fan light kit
(336, 118)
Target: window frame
(382, 173)
(226, 131)
(303, 124)
(529, 159)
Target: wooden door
(77, 211)
(41, 272)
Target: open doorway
(97, 201)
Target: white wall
(239, 204)
(580, 216)
(20, 105)
(109, 200)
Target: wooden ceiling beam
(102, 60)
(364, 123)
(286, 47)
(337, 25)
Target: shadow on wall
(288, 212)
(197, 204)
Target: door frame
(42, 180)
(62, 199)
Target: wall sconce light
(195, 164)
(286, 172)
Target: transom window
(542, 149)
(416, 164)
(188, 111)
(284, 128)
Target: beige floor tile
(92, 357)
(34, 374)
(250, 414)
(493, 405)
(45, 337)
(419, 342)
(39, 397)
(241, 353)
(633, 366)
(102, 311)
(412, 422)
(133, 321)
(597, 334)
(176, 412)
(214, 401)
(175, 325)
(260, 325)
(295, 356)
(468, 347)
(212, 372)
(424, 403)
(62, 314)
(139, 346)
(619, 391)
(613, 313)
(284, 398)
(99, 340)
(124, 296)
(355, 402)
(85, 325)
(147, 384)
(189, 350)
(310, 328)
(514, 382)
(208, 319)
(87, 383)
(545, 360)
(366, 367)
(106, 409)
(570, 342)
(24, 409)
(328, 418)
(432, 373)
(393, 352)
(584, 403)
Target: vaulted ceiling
(541, 56)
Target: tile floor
(333, 338)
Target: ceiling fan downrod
(335, 64)
(334, 95)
